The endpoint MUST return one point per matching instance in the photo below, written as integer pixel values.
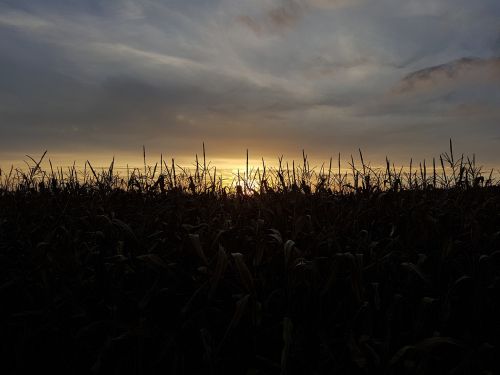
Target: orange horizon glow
(227, 166)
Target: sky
(88, 79)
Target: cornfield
(286, 270)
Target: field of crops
(290, 271)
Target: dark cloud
(251, 23)
(465, 68)
(274, 20)
(287, 13)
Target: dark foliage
(124, 282)
(288, 271)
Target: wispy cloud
(23, 20)
(125, 51)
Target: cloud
(120, 49)
(456, 97)
(330, 4)
(22, 20)
(322, 66)
(461, 70)
(287, 13)
(275, 19)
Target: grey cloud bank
(275, 76)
